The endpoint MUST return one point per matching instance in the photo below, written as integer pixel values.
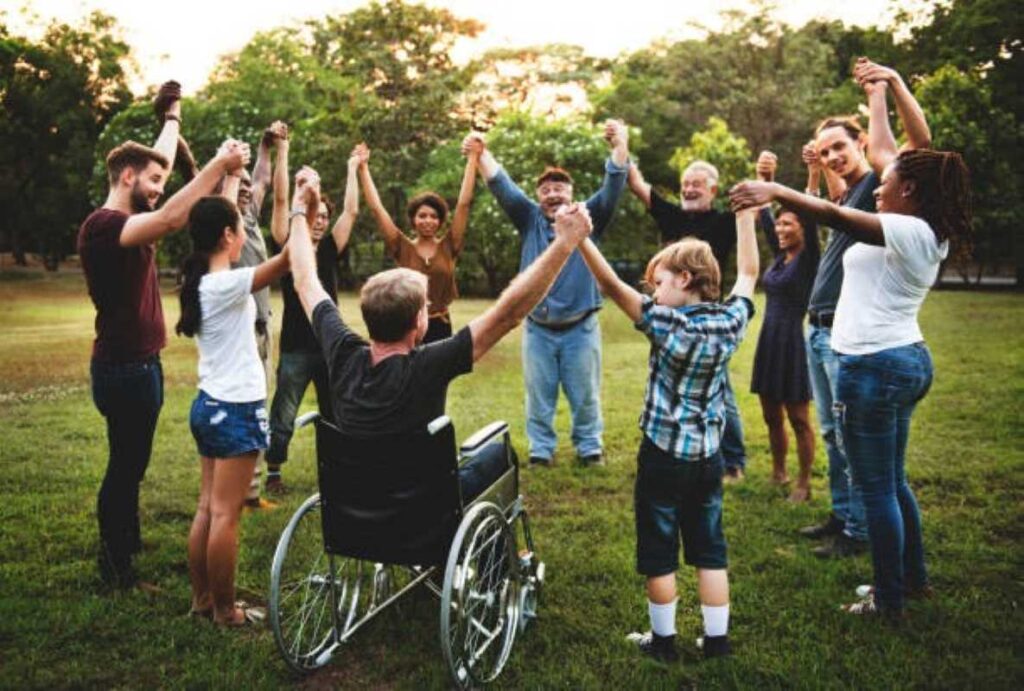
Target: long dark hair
(206, 223)
(942, 193)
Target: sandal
(251, 615)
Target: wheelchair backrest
(392, 499)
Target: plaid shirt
(684, 406)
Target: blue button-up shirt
(574, 292)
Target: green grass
(59, 629)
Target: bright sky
(182, 39)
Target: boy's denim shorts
(674, 498)
(224, 430)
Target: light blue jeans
(823, 363)
(733, 450)
(571, 358)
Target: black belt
(822, 321)
(563, 326)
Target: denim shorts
(674, 499)
(224, 430)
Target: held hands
(767, 164)
(306, 198)
(873, 77)
(474, 144)
(751, 195)
(810, 156)
(168, 101)
(360, 155)
(572, 223)
(616, 133)
(233, 155)
(277, 132)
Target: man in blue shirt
(562, 337)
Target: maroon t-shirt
(123, 286)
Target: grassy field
(58, 629)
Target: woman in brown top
(427, 251)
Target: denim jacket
(574, 292)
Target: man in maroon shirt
(117, 246)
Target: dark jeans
(294, 372)
(129, 396)
(875, 397)
(734, 452)
(482, 471)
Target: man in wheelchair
(392, 384)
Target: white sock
(663, 618)
(716, 620)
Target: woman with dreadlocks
(884, 366)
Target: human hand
(867, 71)
(572, 223)
(616, 133)
(277, 132)
(751, 194)
(233, 155)
(810, 156)
(306, 179)
(361, 153)
(767, 164)
(168, 100)
(474, 144)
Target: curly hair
(942, 193)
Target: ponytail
(206, 223)
(943, 194)
(195, 267)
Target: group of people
(893, 215)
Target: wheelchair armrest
(306, 419)
(438, 424)
(482, 437)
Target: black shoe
(842, 546)
(833, 526)
(539, 462)
(715, 646)
(592, 460)
(660, 648)
(116, 571)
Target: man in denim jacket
(562, 337)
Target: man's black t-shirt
(401, 393)
(296, 332)
(717, 228)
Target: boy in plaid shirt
(679, 477)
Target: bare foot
(780, 478)
(799, 495)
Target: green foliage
(57, 95)
(725, 150)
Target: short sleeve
(224, 289)
(336, 340)
(441, 361)
(911, 239)
(658, 323)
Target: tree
(57, 96)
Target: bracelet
(172, 116)
(296, 212)
(813, 193)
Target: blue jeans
(732, 448)
(129, 396)
(572, 358)
(823, 364)
(875, 398)
(294, 373)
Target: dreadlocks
(943, 193)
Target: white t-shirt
(229, 362)
(883, 287)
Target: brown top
(439, 270)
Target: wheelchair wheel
(480, 597)
(303, 591)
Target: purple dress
(780, 362)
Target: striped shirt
(684, 405)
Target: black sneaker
(592, 460)
(715, 646)
(539, 462)
(842, 546)
(832, 526)
(660, 648)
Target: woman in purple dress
(780, 377)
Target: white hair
(703, 167)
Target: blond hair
(391, 301)
(695, 257)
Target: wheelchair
(389, 517)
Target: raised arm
(621, 293)
(602, 204)
(302, 256)
(279, 214)
(342, 230)
(167, 105)
(261, 176)
(882, 148)
(915, 124)
(863, 226)
(145, 228)
(572, 225)
(638, 186)
(391, 233)
(271, 270)
(460, 219)
(747, 260)
(512, 200)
